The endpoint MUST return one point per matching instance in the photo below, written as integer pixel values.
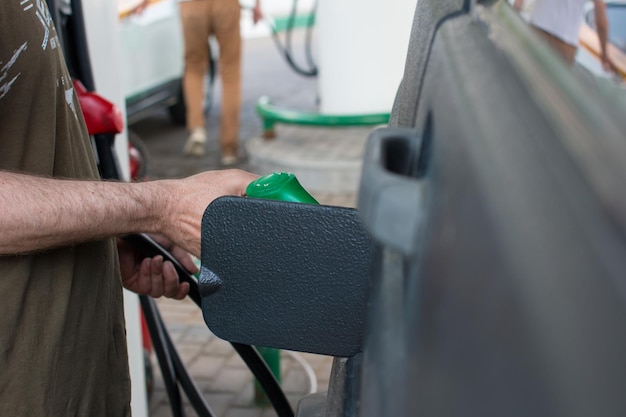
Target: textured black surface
(290, 276)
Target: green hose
(271, 115)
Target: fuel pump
(105, 125)
(361, 47)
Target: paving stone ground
(223, 378)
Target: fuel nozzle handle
(283, 186)
(147, 246)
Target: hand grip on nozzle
(147, 246)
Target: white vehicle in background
(151, 45)
(152, 57)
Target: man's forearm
(39, 213)
(602, 26)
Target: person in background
(559, 21)
(62, 329)
(201, 19)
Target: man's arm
(257, 14)
(40, 213)
(602, 29)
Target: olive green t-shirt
(62, 334)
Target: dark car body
(503, 295)
(495, 210)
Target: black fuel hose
(251, 357)
(286, 51)
(171, 365)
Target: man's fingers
(170, 280)
(183, 290)
(159, 278)
(184, 259)
(156, 275)
(144, 283)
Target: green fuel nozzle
(282, 186)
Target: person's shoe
(195, 142)
(229, 160)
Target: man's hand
(152, 276)
(607, 63)
(602, 29)
(187, 199)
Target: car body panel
(510, 298)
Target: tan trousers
(200, 19)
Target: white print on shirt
(27, 4)
(44, 17)
(69, 99)
(69, 93)
(5, 84)
(43, 14)
(46, 21)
